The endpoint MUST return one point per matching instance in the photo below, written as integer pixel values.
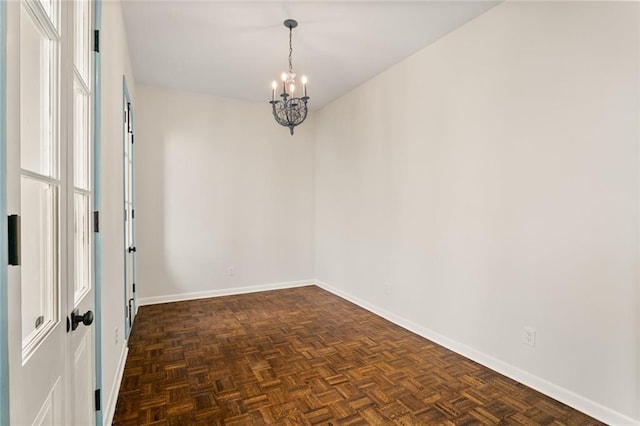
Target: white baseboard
(222, 292)
(561, 394)
(110, 406)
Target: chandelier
(289, 111)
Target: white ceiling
(237, 48)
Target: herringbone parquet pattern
(305, 356)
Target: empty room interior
(319, 212)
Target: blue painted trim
(4, 320)
(97, 161)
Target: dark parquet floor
(304, 356)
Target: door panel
(39, 63)
(82, 245)
(36, 190)
(39, 183)
(43, 377)
(81, 297)
(82, 391)
(51, 411)
(39, 207)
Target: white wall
(219, 185)
(115, 63)
(490, 182)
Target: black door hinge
(96, 221)
(96, 41)
(130, 312)
(133, 214)
(97, 398)
(132, 136)
(129, 127)
(134, 287)
(14, 239)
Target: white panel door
(80, 252)
(49, 187)
(129, 212)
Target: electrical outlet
(230, 271)
(529, 336)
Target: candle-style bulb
(284, 76)
(274, 85)
(304, 79)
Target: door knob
(86, 319)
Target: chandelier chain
(290, 50)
